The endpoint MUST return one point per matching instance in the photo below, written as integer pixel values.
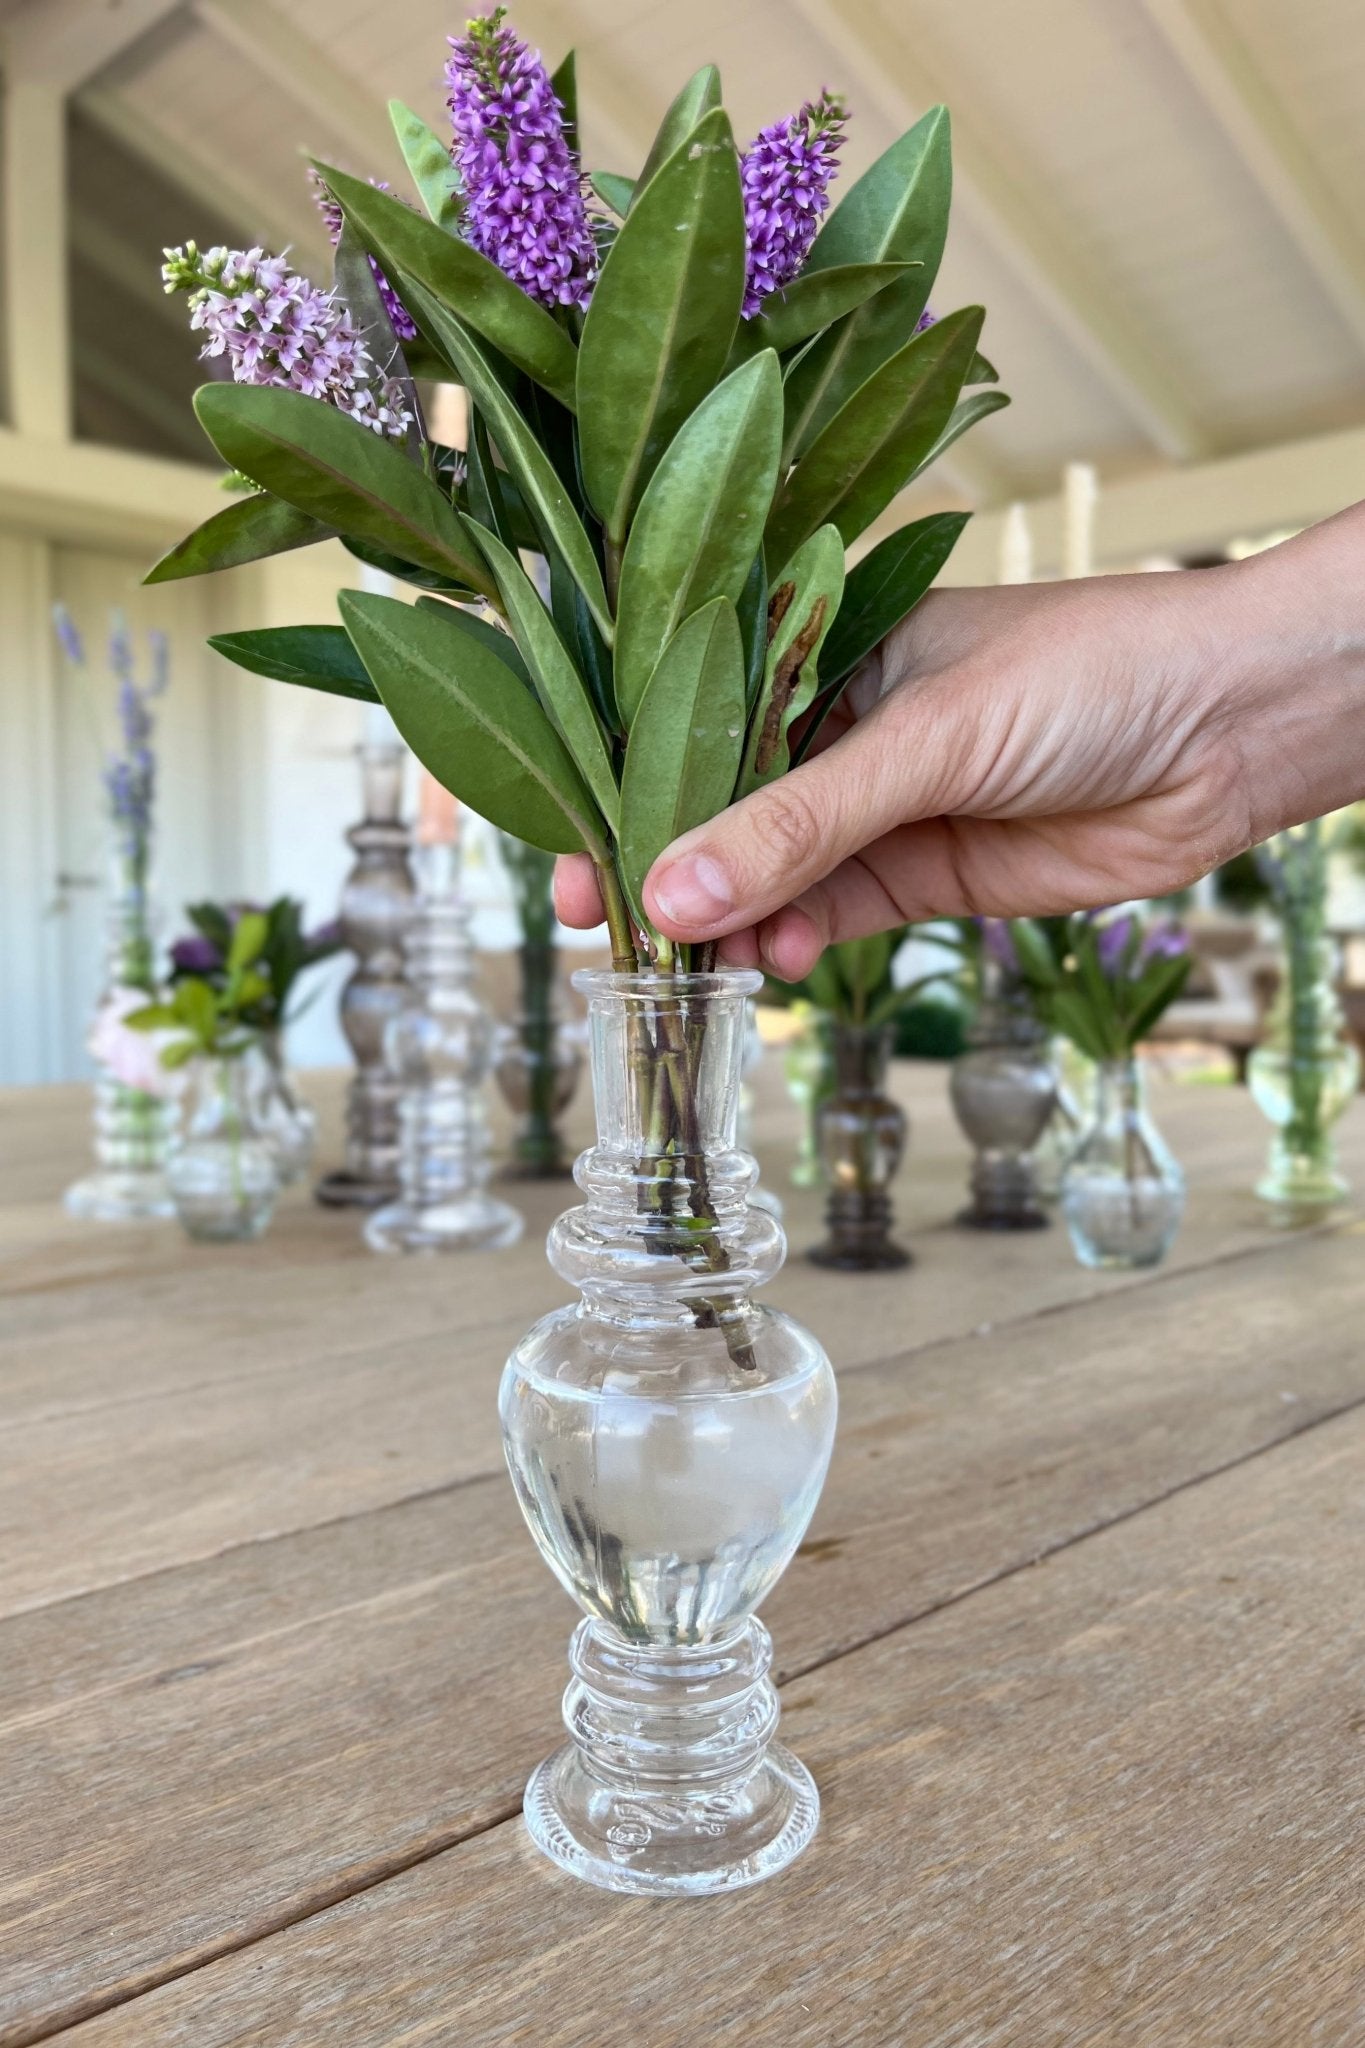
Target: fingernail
(693, 891)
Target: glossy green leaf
(663, 314)
(461, 279)
(982, 371)
(542, 492)
(429, 166)
(753, 629)
(817, 298)
(318, 657)
(404, 572)
(815, 576)
(886, 585)
(469, 721)
(853, 470)
(499, 644)
(700, 522)
(564, 85)
(897, 212)
(246, 530)
(561, 689)
(332, 468)
(979, 406)
(614, 191)
(684, 746)
(698, 98)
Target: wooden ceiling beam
(65, 43)
(1225, 75)
(1021, 223)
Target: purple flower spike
(786, 175)
(998, 941)
(195, 955)
(400, 319)
(1168, 941)
(1111, 943)
(73, 647)
(523, 193)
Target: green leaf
(499, 644)
(429, 167)
(700, 521)
(855, 467)
(886, 585)
(248, 530)
(1037, 962)
(662, 317)
(173, 1056)
(981, 372)
(564, 85)
(753, 629)
(684, 745)
(562, 691)
(614, 191)
(897, 212)
(542, 492)
(318, 657)
(404, 572)
(698, 98)
(248, 940)
(337, 471)
(818, 298)
(1159, 991)
(815, 577)
(461, 279)
(153, 1017)
(965, 414)
(471, 723)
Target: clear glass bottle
(668, 1441)
(807, 1068)
(439, 1051)
(1003, 1091)
(377, 904)
(1073, 1078)
(223, 1177)
(1123, 1194)
(1301, 1077)
(135, 1130)
(860, 1132)
(538, 1064)
(290, 1123)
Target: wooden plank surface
(277, 1633)
(1113, 1799)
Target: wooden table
(1073, 1647)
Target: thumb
(756, 856)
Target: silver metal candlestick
(439, 1051)
(377, 906)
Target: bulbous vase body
(860, 1137)
(224, 1177)
(1123, 1194)
(1301, 1079)
(1004, 1091)
(668, 1440)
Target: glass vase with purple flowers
(1123, 1193)
(135, 1119)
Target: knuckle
(792, 827)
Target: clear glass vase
(289, 1123)
(1074, 1082)
(538, 1064)
(668, 1441)
(807, 1068)
(1123, 1194)
(860, 1134)
(223, 1177)
(1003, 1091)
(135, 1129)
(1301, 1077)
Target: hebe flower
(276, 328)
(400, 319)
(786, 175)
(523, 194)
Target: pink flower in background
(132, 1057)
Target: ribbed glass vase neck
(667, 1214)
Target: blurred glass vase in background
(1123, 1194)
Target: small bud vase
(1073, 1079)
(668, 1441)
(287, 1121)
(1301, 1077)
(1003, 1091)
(223, 1177)
(860, 1136)
(807, 1068)
(1123, 1194)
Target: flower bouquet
(688, 393)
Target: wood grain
(1110, 1800)
(200, 1755)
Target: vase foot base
(473, 1223)
(838, 1258)
(120, 1197)
(672, 1844)
(352, 1191)
(1027, 1219)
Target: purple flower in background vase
(786, 174)
(275, 328)
(195, 955)
(129, 771)
(1165, 941)
(326, 939)
(524, 205)
(1112, 942)
(400, 319)
(998, 942)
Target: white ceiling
(1158, 200)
